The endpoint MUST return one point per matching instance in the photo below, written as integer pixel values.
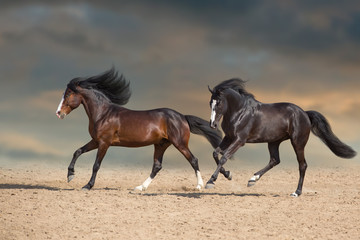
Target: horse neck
(237, 103)
(94, 107)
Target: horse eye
(67, 94)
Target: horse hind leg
(302, 169)
(299, 139)
(274, 160)
(194, 164)
(158, 157)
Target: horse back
(277, 121)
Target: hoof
(230, 176)
(209, 186)
(86, 188)
(295, 194)
(251, 183)
(70, 177)
(199, 187)
(139, 188)
(253, 180)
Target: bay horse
(246, 120)
(110, 124)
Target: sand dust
(40, 204)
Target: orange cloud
(21, 142)
(47, 100)
(330, 102)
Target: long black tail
(202, 127)
(321, 128)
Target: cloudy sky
(305, 52)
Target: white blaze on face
(59, 107)
(213, 113)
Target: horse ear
(219, 91)
(210, 90)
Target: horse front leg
(228, 152)
(227, 174)
(86, 148)
(102, 149)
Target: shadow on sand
(29, 186)
(196, 195)
(200, 194)
(44, 187)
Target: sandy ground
(40, 204)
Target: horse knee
(303, 166)
(216, 152)
(96, 167)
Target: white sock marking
(200, 183)
(145, 184)
(255, 178)
(294, 194)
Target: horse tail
(202, 127)
(321, 128)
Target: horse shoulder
(108, 123)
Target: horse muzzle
(60, 115)
(213, 124)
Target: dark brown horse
(113, 125)
(246, 120)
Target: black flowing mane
(236, 84)
(115, 88)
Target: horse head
(218, 105)
(70, 101)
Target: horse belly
(269, 132)
(138, 136)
